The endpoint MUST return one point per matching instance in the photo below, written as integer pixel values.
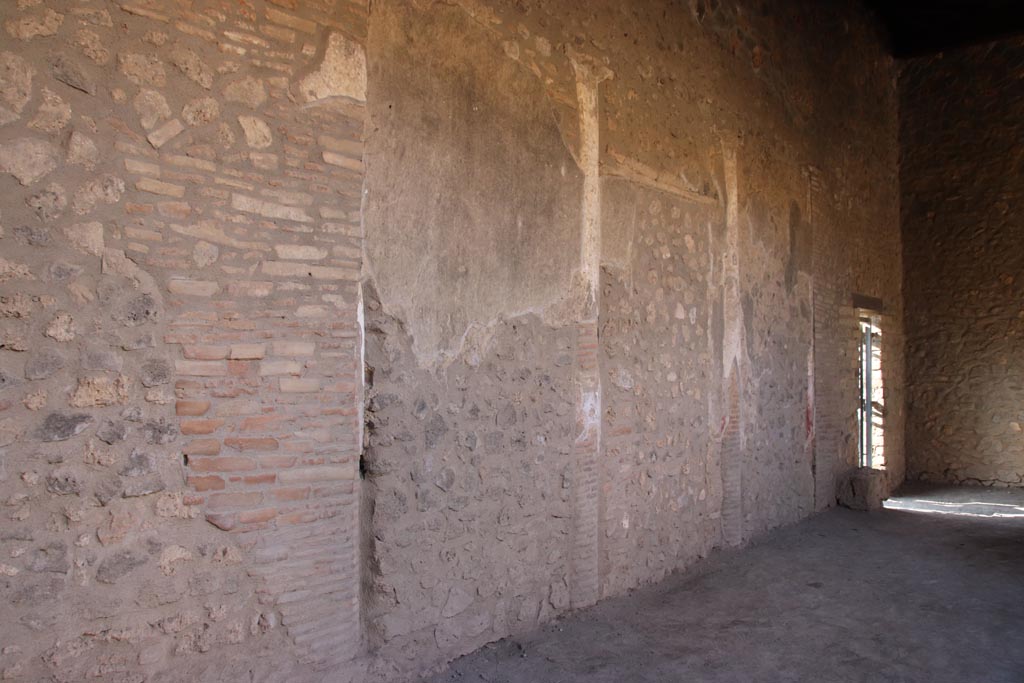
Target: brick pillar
(261, 273)
(586, 450)
(269, 381)
(732, 466)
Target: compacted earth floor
(929, 589)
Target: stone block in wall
(863, 489)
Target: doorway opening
(871, 393)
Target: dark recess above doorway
(921, 27)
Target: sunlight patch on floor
(961, 508)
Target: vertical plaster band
(732, 346)
(587, 443)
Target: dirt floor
(930, 589)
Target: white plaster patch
(341, 74)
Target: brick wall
(184, 184)
(962, 223)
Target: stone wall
(651, 349)
(180, 350)
(962, 121)
(584, 315)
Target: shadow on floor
(930, 589)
